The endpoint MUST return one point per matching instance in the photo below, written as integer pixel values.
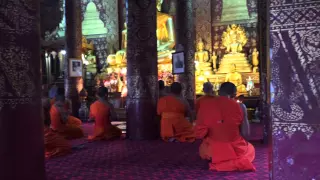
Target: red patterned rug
(145, 160)
(256, 132)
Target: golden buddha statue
(165, 32)
(203, 66)
(234, 38)
(236, 78)
(200, 79)
(89, 59)
(255, 60)
(124, 36)
(165, 40)
(85, 45)
(214, 61)
(92, 62)
(201, 55)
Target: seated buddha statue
(89, 59)
(203, 66)
(92, 62)
(201, 55)
(234, 77)
(165, 39)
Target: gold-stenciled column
(21, 124)
(185, 38)
(73, 85)
(142, 70)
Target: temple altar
(234, 65)
(114, 75)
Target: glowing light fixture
(64, 52)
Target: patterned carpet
(124, 159)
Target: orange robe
(71, 119)
(69, 131)
(202, 99)
(173, 123)
(103, 129)
(55, 144)
(218, 125)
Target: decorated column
(186, 42)
(21, 125)
(142, 76)
(264, 66)
(295, 89)
(73, 85)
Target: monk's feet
(172, 140)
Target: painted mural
(295, 65)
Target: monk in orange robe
(55, 144)
(173, 110)
(71, 120)
(218, 124)
(208, 94)
(162, 88)
(59, 117)
(102, 113)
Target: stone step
(238, 66)
(238, 70)
(230, 63)
(234, 59)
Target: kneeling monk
(59, 117)
(71, 120)
(218, 123)
(102, 113)
(55, 144)
(173, 109)
(208, 94)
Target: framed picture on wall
(178, 66)
(75, 68)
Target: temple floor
(124, 159)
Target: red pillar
(21, 125)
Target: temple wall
(295, 102)
(203, 19)
(218, 26)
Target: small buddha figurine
(124, 90)
(124, 37)
(201, 55)
(216, 85)
(236, 78)
(214, 61)
(255, 60)
(92, 62)
(250, 85)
